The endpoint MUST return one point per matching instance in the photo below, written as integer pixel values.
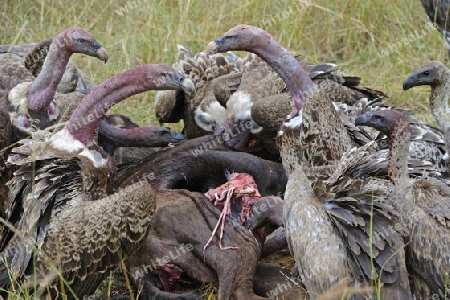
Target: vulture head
(432, 73)
(437, 76)
(241, 37)
(78, 40)
(385, 121)
(113, 135)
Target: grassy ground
(378, 41)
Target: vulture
(64, 179)
(316, 129)
(423, 206)
(28, 86)
(33, 57)
(327, 222)
(437, 76)
(324, 137)
(29, 99)
(438, 13)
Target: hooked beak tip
(211, 48)
(102, 54)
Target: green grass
(371, 39)
(380, 41)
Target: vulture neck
(94, 106)
(399, 153)
(43, 89)
(289, 69)
(439, 103)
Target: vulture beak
(361, 120)
(213, 47)
(410, 82)
(101, 53)
(187, 85)
(177, 136)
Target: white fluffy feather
(18, 98)
(63, 140)
(296, 121)
(208, 117)
(239, 107)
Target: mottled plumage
(34, 58)
(329, 228)
(5, 173)
(423, 206)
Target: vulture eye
(164, 74)
(229, 37)
(378, 117)
(426, 73)
(80, 40)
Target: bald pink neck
(285, 64)
(93, 107)
(42, 90)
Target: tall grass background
(380, 41)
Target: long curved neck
(439, 103)
(43, 89)
(399, 153)
(289, 69)
(93, 107)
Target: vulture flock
(276, 153)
